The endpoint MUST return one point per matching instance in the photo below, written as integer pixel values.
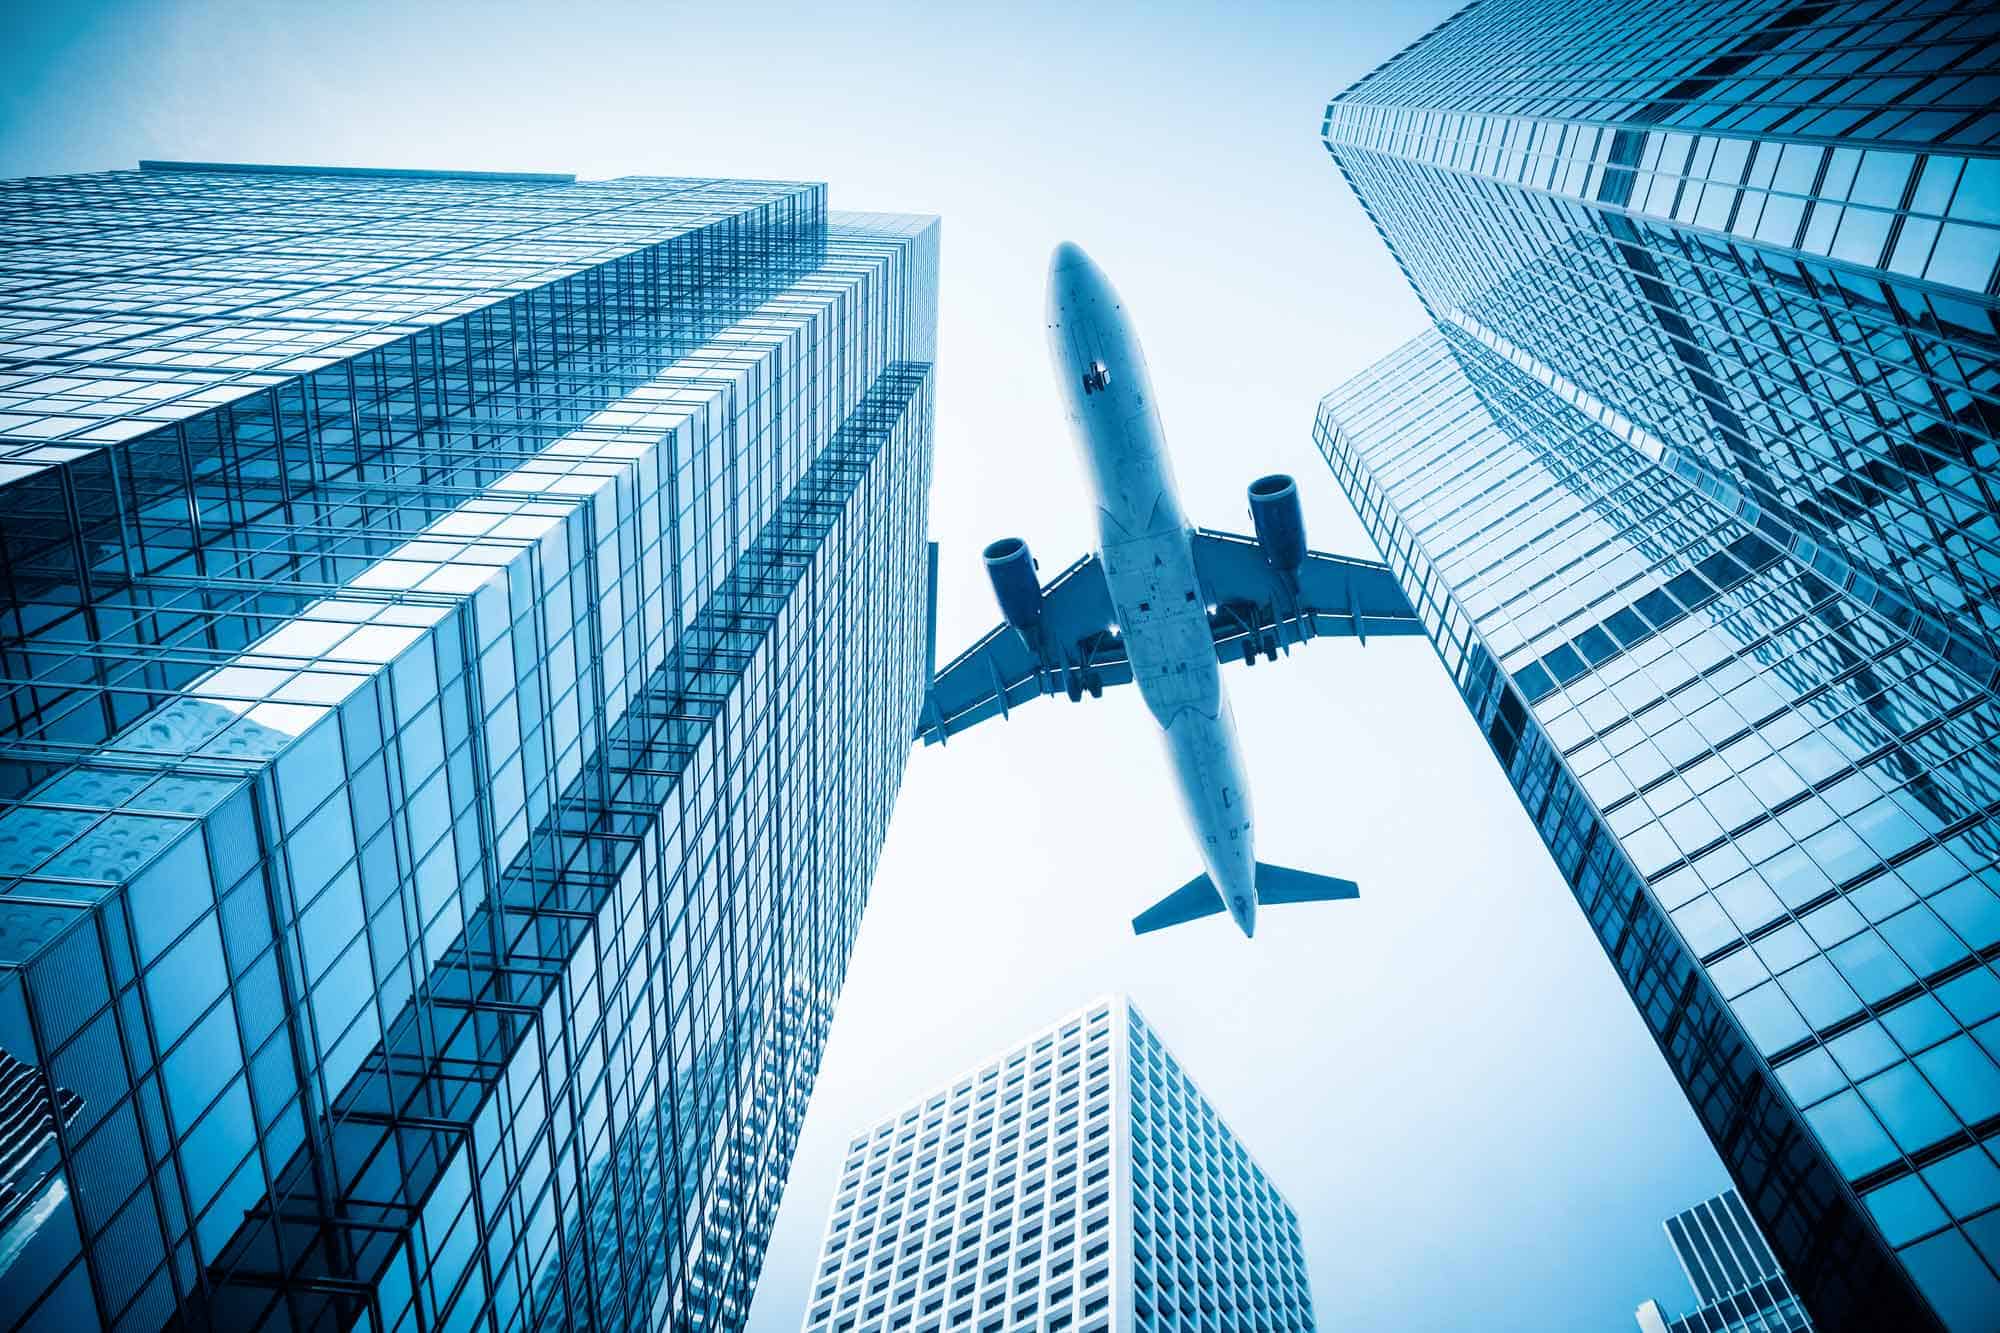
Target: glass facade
(1078, 1183)
(1736, 1279)
(461, 638)
(1695, 487)
(1764, 235)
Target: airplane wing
(1078, 652)
(1258, 608)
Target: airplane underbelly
(1172, 651)
(1165, 625)
(1148, 561)
(1216, 801)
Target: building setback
(1736, 1279)
(1078, 1182)
(1695, 487)
(462, 634)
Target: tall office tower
(1737, 1282)
(1695, 484)
(462, 636)
(1078, 1183)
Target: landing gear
(1076, 684)
(1266, 642)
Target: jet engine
(1015, 587)
(1281, 528)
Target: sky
(1444, 1076)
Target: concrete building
(1077, 1182)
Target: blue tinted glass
(1965, 1076)
(186, 980)
(198, 1068)
(1948, 1271)
(167, 898)
(1908, 1107)
(1905, 1210)
(1808, 595)
(1968, 1182)
(1851, 1133)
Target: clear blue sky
(1444, 1077)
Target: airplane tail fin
(1190, 902)
(1275, 884)
(1281, 884)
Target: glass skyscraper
(1695, 486)
(461, 639)
(1076, 1183)
(1736, 1279)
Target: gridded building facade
(1774, 809)
(461, 638)
(1765, 233)
(1695, 486)
(1078, 1182)
(1735, 1277)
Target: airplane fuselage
(1148, 559)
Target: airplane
(1163, 604)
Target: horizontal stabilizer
(1190, 902)
(1278, 884)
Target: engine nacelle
(1015, 587)
(1281, 528)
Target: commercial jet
(1161, 603)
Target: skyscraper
(1738, 1285)
(1695, 486)
(461, 642)
(1078, 1182)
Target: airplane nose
(1073, 282)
